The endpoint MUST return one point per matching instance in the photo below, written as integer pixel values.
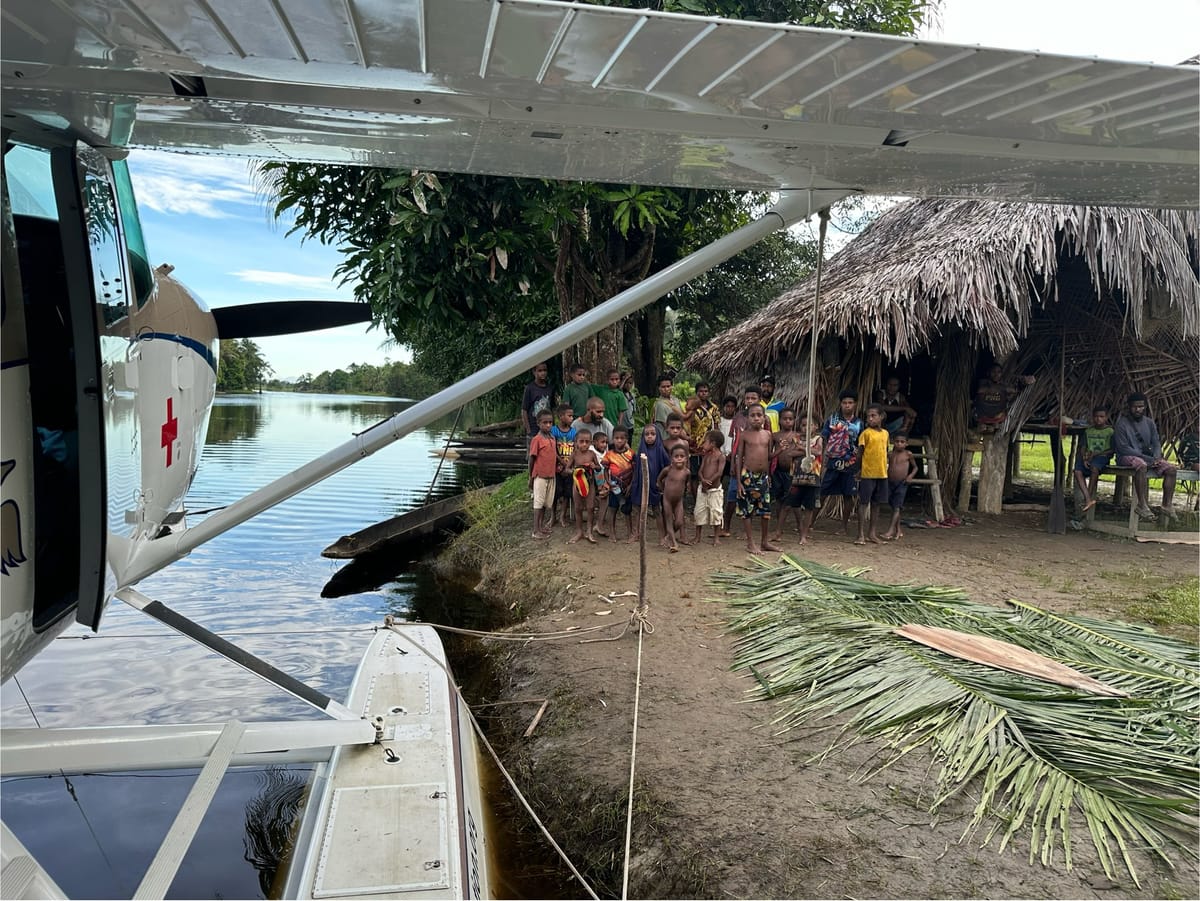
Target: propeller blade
(287, 317)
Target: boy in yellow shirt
(872, 477)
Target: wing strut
(792, 207)
(229, 650)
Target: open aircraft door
(67, 293)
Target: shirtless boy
(582, 470)
(672, 482)
(752, 465)
(902, 469)
(710, 495)
(789, 445)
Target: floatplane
(109, 363)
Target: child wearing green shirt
(1095, 453)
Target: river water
(258, 585)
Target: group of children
(772, 472)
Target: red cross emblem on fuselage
(170, 431)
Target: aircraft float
(109, 363)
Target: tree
(459, 266)
(241, 366)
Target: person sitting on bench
(993, 396)
(1139, 447)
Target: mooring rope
(496, 758)
(525, 636)
(644, 626)
(638, 619)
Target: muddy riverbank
(725, 807)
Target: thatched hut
(935, 291)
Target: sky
(204, 215)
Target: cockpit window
(30, 183)
(135, 242)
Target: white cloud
(286, 279)
(205, 186)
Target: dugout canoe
(439, 516)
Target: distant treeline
(391, 379)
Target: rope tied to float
(637, 618)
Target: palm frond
(821, 642)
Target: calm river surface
(259, 585)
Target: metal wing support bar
(227, 649)
(792, 207)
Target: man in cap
(766, 397)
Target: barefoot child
(806, 479)
(618, 465)
(872, 479)
(902, 469)
(583, 469)
(672, 483)
(840, 441)
(657, 460)
(543, 462)
(600, 495)
(789, 445)
(740, 424)
(1095, 453)
(710, 495)
(752, 463)
(563, 434)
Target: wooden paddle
(1056, 521)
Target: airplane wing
(569, 91)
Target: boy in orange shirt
(618, 465)
(543, 460)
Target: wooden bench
(923, 450)
(1122, 478)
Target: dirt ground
(727, 807)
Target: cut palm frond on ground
(823, 644)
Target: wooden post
(1120, 487)
(966, 476)
(992, 465)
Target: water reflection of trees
(232, 422)
(271, 823)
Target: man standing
(766, 394)
(1137, 443)
(539, 397)
(594, 420)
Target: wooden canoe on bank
(436, 517)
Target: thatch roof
(983, 268)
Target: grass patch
(1171, 605)
(514, 572)
(492, 517)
